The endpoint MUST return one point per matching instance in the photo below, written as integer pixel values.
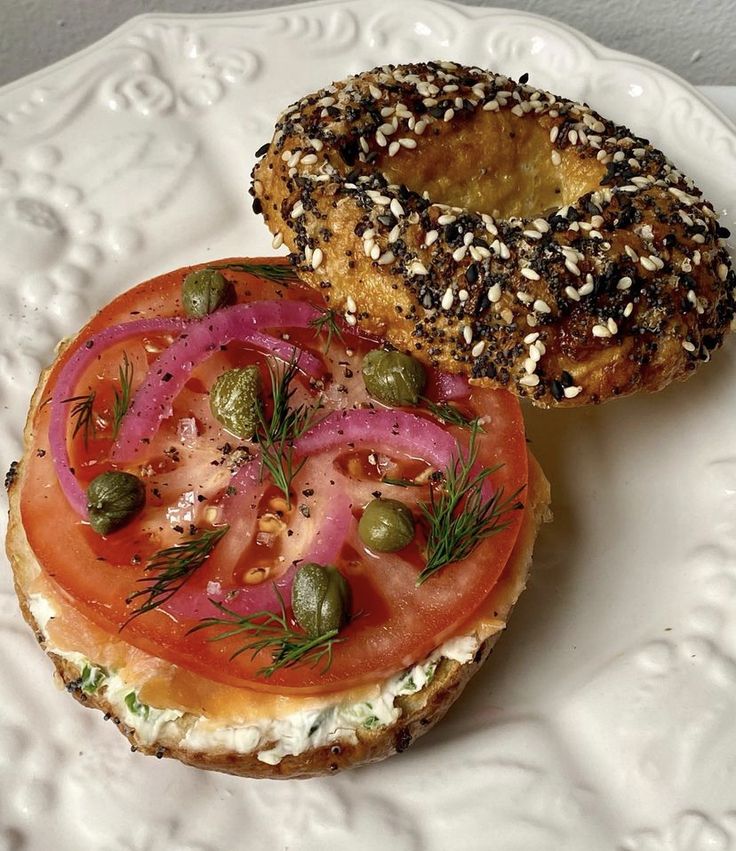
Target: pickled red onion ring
(65, 388)
(154, 398)
(381, 429)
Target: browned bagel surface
(498, 230)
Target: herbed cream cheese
(271, 738)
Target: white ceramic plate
(605, 719)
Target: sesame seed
(494, 293)
(407, 143)
(698, 237)
(624, 283)
(572, 392)
(463, 295)
(532, 234)
(553, 133)
(459, 253)
(278, 240)
(309, 159)
(572, 267)
(586, 289)
(417, 268)
(376, 93)
(447, 299)
(524, 298)
(529, 380)
(287, 154)
(446, 219)
(491, 105)
(722, 271)
(573, 137)
(381, 139)
(396, 208)
(531, 338)
(530, 274)
(507, 316)
(601, 331)
(468, 334)
(534, 352)
(530, 365)
(629, 309)
(297, 210)
(350, 318)
(431, 237)
(541, 225)
(394, 149)
(478, 349)
(631, 253)
(688, 346)
(317, 258)
(375, 251)
(647, 264)
(386, 258)
(449, 114)
(556, 158)
(504, 251)
(368, 246)
(572, 293)
(541, 306)
(612, 326)
(420, 127)
(468, 238)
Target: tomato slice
(188, 468)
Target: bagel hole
(497, 163)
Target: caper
(235, 400)
(393, 377)
(113, 499)
(387, 525)
(204, 292)
(320, 599)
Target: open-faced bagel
(498, 230)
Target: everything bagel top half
(498, 230)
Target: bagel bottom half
(253, 735)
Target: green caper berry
(386, 526)
(320, 599)
(235, 400)
(393, 378)
(203, 292)
(113, 499)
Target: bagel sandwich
(497, 230)
(279, 549)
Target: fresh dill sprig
(121, 398)
(83, 415)
(326, 321)
(168, 570)
(277, 273)
(450, 414)
(458, 516)
(287, 424)
(272, 631)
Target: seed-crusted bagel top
(498, 230)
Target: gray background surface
(695, 38)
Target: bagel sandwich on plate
(278, 548)
(499, 231)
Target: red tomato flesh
(398, 623)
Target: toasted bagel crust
(497, 230)
(419, 711)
